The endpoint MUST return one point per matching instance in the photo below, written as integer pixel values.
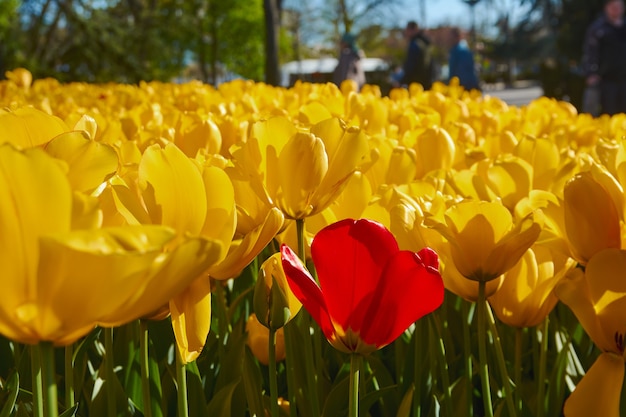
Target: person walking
(461, 61)
(604, 59)
(418, 65)
(350, 66)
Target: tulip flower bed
(248, 250)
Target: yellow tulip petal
(303, 163)
(607, 289)
(242, 251)
(598, 392)
(178, 188)
(174, 272)
(90, 163)
(573, 291)
(220, 222)
(27, 127)
(191, 318)
(351, 150)
(591, 218)
(511, 179)
(40, 203)
(402, 168)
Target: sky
(457, 12)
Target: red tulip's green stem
(272, 374)
(181, 380)
(144, 359)
(35, 363)
(109, 364)
(311, 374)
(483, 368)
(69, 376)
(467, 311)
(355, 376)
(542, 369)
(518, 368)
(48, 377)
(506, 381)
(445, 379)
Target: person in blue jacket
(461, 61)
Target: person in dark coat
(604, 58)
(418, 65)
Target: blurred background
(281, 41)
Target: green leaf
(221, 403)
(336, 404)
(405, 405)
(252, 382)
(195, 391)
(13, 385)
(70, 412)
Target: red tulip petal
(410, 287)
(349, 258)
(304, 287)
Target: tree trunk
(272, 72)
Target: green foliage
(132, 41)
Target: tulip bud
(274, 304)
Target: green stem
(110, 372)
(355, 377)
(69, 376)
(48, 377)
(290, 368)
(506, 381)
(518, 367)
(272, 374)
(483, 368)
(543, 352)
(305, 322)
(441, 351)
(181, 381)
(300, 235)
(418, 335)
(467, 312)
(144, 359)
(35, 361)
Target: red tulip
(370, 291)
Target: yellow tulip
(597, 297)
(484, 240)
(197, 134)
(526, 295)
(510, 178)
(51, 271)
(591, 218)
(21, 77)
(435, 150)
(407, 225)
(543, 155)
(198, 201)
(300, 172)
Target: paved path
(519, 95)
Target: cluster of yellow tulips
(126, 204)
